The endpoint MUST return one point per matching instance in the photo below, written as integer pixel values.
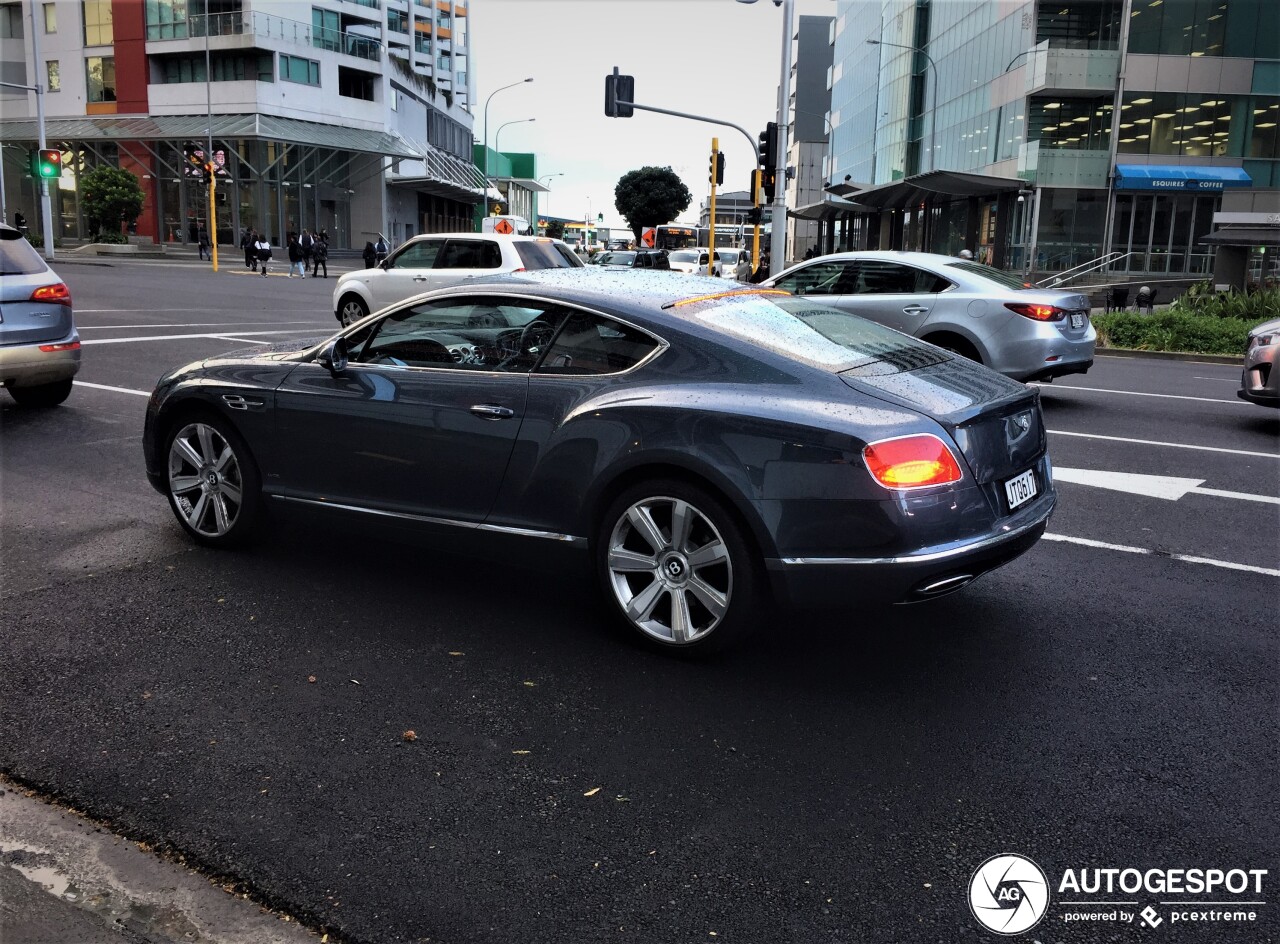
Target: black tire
(351, 309)
(42, 395)
(956, 345)
(213, 480)
(718, 602)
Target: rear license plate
(1021, 489)
(1077, 319)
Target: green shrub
(1262, 305)
(111, 239)
(38, 241)
(1174, 330)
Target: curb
(1227, 359)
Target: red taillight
(911, 462)
(57, 293)
(50, 348)
(1037, 312)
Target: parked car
(39, 345)
(1260, 382)
(694, 262)
(706, 449)
(986, 315)
(729, 259)
(434, 260)
(635, 259)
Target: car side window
(421, 255)
(879, 277)
(593, 344)
(822, 278)
(470, 254)
(461, 333)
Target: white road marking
(129, 311)
(1228, 380)
(1185, 558)
(1138, 393)
(185, 337)
(224, 337)
(1167, 487)
(192, 324)
(84, 383)
(1154, 442)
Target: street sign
(503, 226)
(648, 236)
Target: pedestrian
(762, 272)
(381, 249)
(262, 248)
(193, 232)
(370, 256)
(247, 242)
(203, 241)
(295, 258)
(307, 242)
(966, 254)
(320, 255)
(20, 222)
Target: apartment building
(1041, 135)
(347, 116)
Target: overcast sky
(718, 58)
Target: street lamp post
(497, 135)
(933, 114)
(548, 177)
(486, 128)
(778, 227)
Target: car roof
(501, 237)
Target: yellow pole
(755, 239)
(711, 249)
(213, 214)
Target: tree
(650, 196)
(110, 196)
(555, 229)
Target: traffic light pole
(711, 249)
(778, 228)
(46, 207)
(681, 114)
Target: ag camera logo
(1008, 894)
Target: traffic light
(755, 215)
(768, 146)
(47, 164)
(618, 89)
(715, 173)
(768, 180)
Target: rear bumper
(1029, 350)
(25, 365)
(921, 574)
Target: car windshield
(619, 258)
(684, 255)
(995, 275)
(537, 254)
(802, 330)
(17, 257)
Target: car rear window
(684, 256)
(548, 255)
(995, 275)
(619, 258)
(811, 333)
(17, 256)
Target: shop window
(98, 28)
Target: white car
(694, 261)
(434, 260)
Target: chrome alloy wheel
(205, 482)
(352, 310)
(670, 570)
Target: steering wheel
(535, 334)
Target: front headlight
(1262, 340)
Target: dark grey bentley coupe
(708, 448)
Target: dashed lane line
(1139, 393)
(93, 386)
(1154, 442)
(1151, 552)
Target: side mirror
(333, 356)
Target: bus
(671, 236)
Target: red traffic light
(48, 163)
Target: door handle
(420, 278)
(915, 310)
(492, 411)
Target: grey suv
(39, 346)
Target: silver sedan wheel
(670, 570)
(204, 480)
(352, 311)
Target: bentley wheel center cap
(675, 569)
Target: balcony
(1071, 70)
(1062, 167)
(266, 26)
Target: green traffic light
(49, 164)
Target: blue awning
(1179, 177)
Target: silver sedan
(963, 306)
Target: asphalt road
(1109, 700)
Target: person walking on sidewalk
(295, 258)
(370, 256)
(202, 240)
(320, 255)
(247, 243)
(381, 249)
(262, 248)
(308, 244)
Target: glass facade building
(1065, 97)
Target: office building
(348, 116)
(1043, 135)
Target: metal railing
(269, 26)
(1093, 265)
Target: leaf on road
(621, 799)
(311, 679)
(410, 735)
(520, 752)
(457, 653)
(355, 681)
(592, 792)
(530, 684)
